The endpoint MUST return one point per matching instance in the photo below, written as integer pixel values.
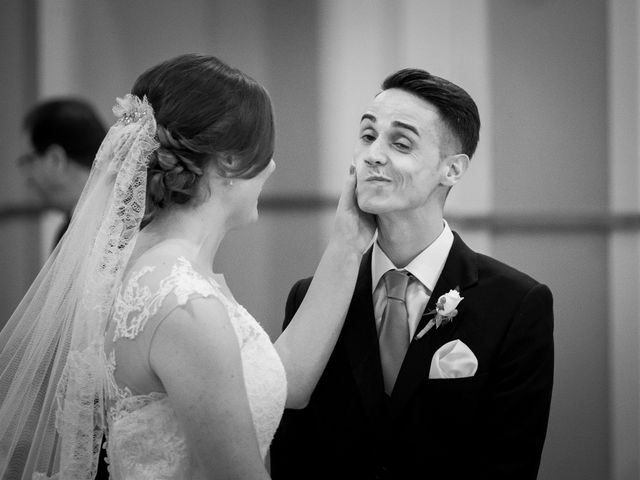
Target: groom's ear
(454, 168)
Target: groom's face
(397, 156)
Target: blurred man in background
(64, 135)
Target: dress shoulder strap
(155, 289)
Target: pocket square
(453, 360)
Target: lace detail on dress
(183, 281)
(146, 440)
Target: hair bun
(167, 160)
(172, 177)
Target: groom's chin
(373, 205)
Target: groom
(444, 366)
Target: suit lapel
(361, 343)
(459, 271)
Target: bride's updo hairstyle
(209, 115)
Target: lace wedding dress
(145, 439)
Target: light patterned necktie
(394, 328)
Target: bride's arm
(306, 344)
(195, 353)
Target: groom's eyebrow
(368, 116)
(411, 128)
(395, 123)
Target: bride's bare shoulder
(153, 265)
(163, 255)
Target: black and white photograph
(320, 240)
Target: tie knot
(396, 282)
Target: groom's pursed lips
(374, 177)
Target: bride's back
(145, 437)
(153, 285)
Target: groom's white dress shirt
(425, 270)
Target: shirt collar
(426, 267)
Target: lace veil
(52, 362)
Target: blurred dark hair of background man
(64, 136)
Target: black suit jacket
(488, 426)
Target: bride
(128, 334)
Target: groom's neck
(403, 238)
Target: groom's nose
(375, 154)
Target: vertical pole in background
(624, 246)
(55, 76)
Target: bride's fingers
(348, 208)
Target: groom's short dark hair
(457, 109)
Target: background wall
(19, 256)
(553, 188)
(549, 66)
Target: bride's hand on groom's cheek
(352, 226)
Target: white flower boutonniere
(445, 311)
